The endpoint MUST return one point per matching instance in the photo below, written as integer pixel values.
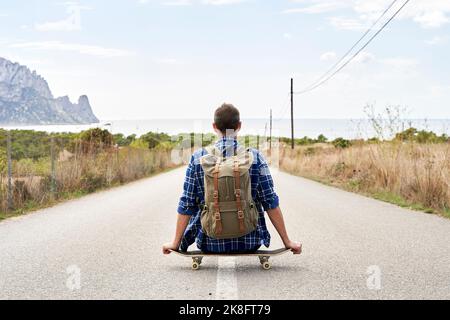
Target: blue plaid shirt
(193, 196)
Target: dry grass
(78, 174)
(409, 174)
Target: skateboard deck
(263, 256)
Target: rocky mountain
(26, 99)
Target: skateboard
(263, 255)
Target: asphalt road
(107, 246)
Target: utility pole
(270, 131)
(292, 113)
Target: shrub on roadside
(419, 174)
(341, 143)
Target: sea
(330, 128)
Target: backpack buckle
(240, 214)
(237, 192)
(217, 216)
(216, 194)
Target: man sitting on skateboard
(226, 190)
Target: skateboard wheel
(263, 259)
(266, 265)
(195, 265)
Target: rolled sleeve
(188, 204)
(266, 191)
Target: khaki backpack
(229, 211)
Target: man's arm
(276, 217)
(269, 199)
(182, 223)
(186, 207)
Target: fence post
(8, 155)
(53, 168)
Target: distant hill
(26, 99)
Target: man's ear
(239, 127)
(216, 129)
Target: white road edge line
(226, 285)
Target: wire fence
(38, 169)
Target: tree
(154, 139)
(322, 139)
(95, 139)
(341, 143)
(122, 141)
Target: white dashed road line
(226, 287)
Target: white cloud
(429, 14)
(437, 40)
(327, 56)
(287, 36)
(168, 61)
(178, 3)
(222, 2)
(92, 50)
(400, 63)
(364, 57)
(71, 23)
(192, 2)
(319, 7)
(347, 24)
(432, 19)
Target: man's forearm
(276, 217)
(182, 223)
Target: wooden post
(270, 131)
(8, 156)
(292, 113)
(53, 168)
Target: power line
(284, 108)
(356, 54)
(353, 47)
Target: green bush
(123, 141)
(322, 139)
(341, 143)
(94, 139)
(422, 136)
(154, 139)
(3, 161)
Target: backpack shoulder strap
(242, 149)
(212, 150)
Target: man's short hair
(227, 117)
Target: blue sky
(140, 59)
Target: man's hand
(182, 222)
(167, 248)
(295, 247)
(276, 217)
